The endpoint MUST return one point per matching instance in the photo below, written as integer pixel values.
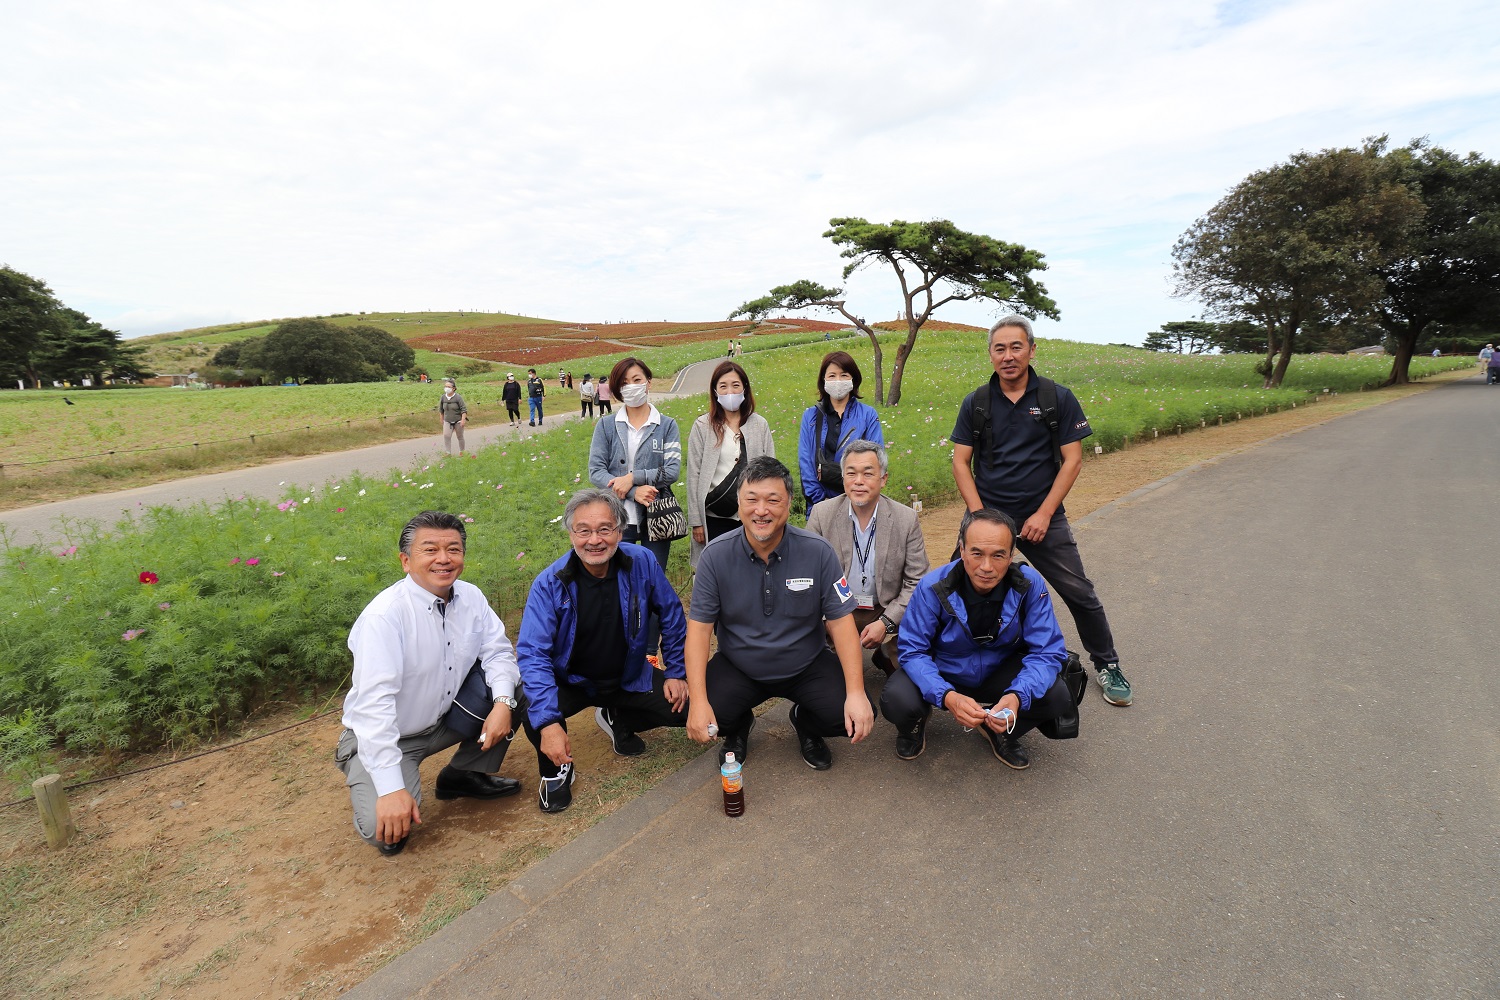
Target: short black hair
(988, 516)
(433, 519)
(763, 467)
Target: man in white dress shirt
(413, 646)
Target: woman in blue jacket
(828, 427)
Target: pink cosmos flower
(339, 510)
(165, 605)
(130, 635)
(252, 562)
(278, 573)
(235, 561)
(148, 577)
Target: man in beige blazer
(879, 543)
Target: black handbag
(1073, 677)
(723, 500)
(471, 706)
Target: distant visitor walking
(535, 390)
(455, 414)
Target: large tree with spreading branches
(1299, 246)
(934, 263)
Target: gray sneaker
(1113, 685)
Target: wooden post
(52, 803)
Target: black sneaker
(814, 749)
(738, 744)
(909, 746)
(556, 793)
(1007, 749)
(625, 744)
(391, 850)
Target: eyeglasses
(585, 534)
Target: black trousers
(635, 712)
(1056, 558)
(903, 704)
(588, 408)
(713, 527)
(818, 691)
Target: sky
(166, 165)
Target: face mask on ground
(838, 388)
(633, 395)
(732, 401)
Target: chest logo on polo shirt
(842, 589)
(1035, 411)
(799, 583)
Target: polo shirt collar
(778, 553)
(1030, 390)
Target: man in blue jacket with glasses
(583, 642)
(979, 640)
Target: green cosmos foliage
(253, 599)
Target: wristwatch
(509, 703)
(890, 626)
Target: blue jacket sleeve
(665, 602)
(599, 449)
(872, 430)
(534, 652)
(1043, 641)
(807, 458)
(919, 633)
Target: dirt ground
(238, 874)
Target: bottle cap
(729, 758)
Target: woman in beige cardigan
(720, 443)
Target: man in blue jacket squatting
(979, 632)
(583, 642)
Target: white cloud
(607, 161)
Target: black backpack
(980, 417)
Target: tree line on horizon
(314, 351)
(42, 340)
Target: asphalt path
(1303, 802)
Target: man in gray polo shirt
(769, 589)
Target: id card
(865, 602)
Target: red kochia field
(543, 343)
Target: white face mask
(634, 394)
(838, 388)
(732, 401)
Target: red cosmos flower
(148, 577)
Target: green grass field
(94, 658)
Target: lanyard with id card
(864, 594)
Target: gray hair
(593, 494)
(1014, 319)
(433, 519)
(862, 446)
(763, 467)
(988, 516)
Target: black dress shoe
(391, 850)
(1007, 749)
(455, 784)
(814, 749)
(737, 744)
(883, 662)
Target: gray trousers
(414, 749)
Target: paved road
(1304, 802)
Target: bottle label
(733, 783)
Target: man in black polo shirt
(583, 642)
(1019, 468)
(769, 589)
